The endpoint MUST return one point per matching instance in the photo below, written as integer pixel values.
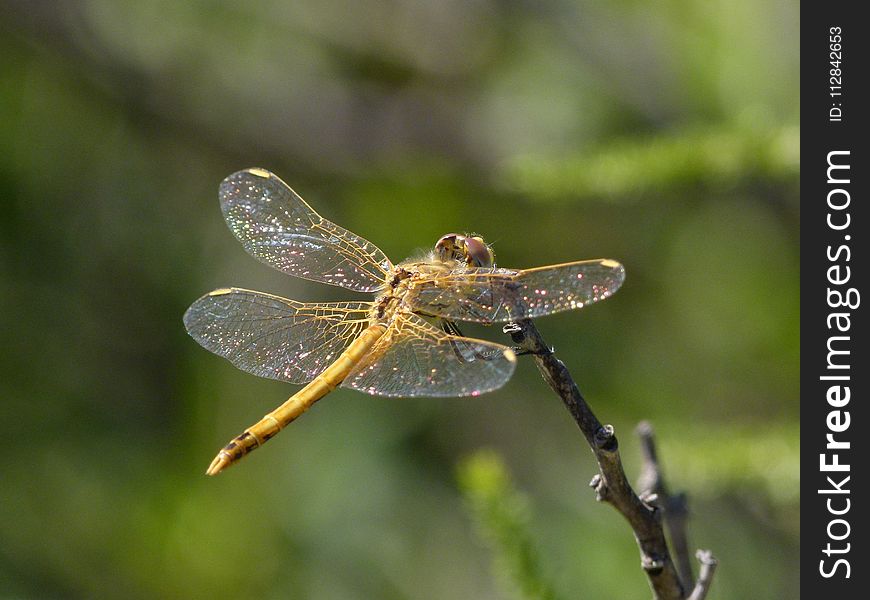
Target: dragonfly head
(469, 249)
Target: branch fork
(646, 513)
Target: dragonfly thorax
(400, 283)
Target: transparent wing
(413, 358)
(274, 337)
(498, 295)
(277, 227)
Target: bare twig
(651, 485)
(705, 578)
(610, 483)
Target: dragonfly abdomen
(266, 428)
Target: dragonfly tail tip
(220, 462)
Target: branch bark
(705, 578)
(611, 484)
(653, 490)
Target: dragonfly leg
(519, 351)
(461, 349)
(513, 329)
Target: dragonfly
(403, 343)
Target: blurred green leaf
(714, 462)
(502, 514)
(639, 168)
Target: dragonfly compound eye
(477, 253)
(450, 247)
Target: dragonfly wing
(274, 337)
(498, 295)
(413, 358)
(277, 227)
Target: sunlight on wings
(274, 337)
(413, 358)
(278, 227)
(500, 295)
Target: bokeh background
(663, 134)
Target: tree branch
(610, 484)
(705, 578)
(653, 490)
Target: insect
(390, 346)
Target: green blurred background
(664, 135)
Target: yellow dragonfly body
(385, 347)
